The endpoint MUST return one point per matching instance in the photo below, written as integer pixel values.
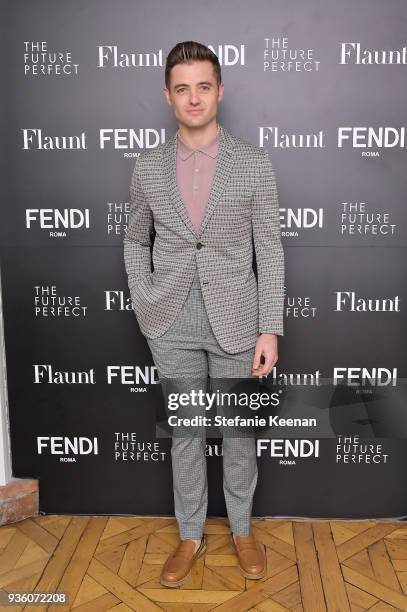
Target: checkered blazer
(242, 212)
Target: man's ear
(221, 92)
(167, 96)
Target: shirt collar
(211, 148)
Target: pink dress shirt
(195, 172)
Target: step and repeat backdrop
(322, 85)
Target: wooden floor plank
(55, 525)
(35, 532)
(359, 600)
(310, 577)
(269, 605)
(333, 585)
(398, 534)
(132, 560)
(383, 607)
(382, 566)
(102, 603)
(402, 577)
(361, 563)
(397, 549)
(13, 551)
(6, 533)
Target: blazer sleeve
(268, 249)
(137, 240)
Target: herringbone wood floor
(113, 563)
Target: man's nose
(194, 97)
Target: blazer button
(199, 245)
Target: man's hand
(266, 345)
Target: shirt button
(199, 245)
(195, 186)
(196, 169)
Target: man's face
(194, 93)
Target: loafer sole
(252, 576)
(185, 579)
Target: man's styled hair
(187, 52)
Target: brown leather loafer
(177, 569)
(251, 557)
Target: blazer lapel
(224, 165)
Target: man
(210, 197)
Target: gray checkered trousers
(207, 326)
